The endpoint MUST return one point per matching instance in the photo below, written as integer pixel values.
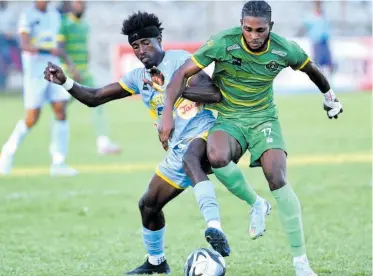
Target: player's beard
(261, 48)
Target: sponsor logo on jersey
(272, 66)
(279, 53)
(236, 61)
(233, 47)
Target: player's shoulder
(281, 42)
(135, 74)
(227, 34)
(176, 54)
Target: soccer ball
(204, 262)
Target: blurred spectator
(317, 28)
(9, 52)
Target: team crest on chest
(272, 66)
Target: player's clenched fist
(54, 74)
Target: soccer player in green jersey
(73, 39)
(247, 60)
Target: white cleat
(109, 149)
(258, 213)
(6, 163)
(302, 268)
(62, 170)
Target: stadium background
(89, 224)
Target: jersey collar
(255, 53)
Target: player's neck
(161, 57)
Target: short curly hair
(140, 20)
(257, 8)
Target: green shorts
(257, 135)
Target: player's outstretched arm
(200, 89)
(91, 97)
(331, 104)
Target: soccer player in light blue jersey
(192, 122)
(38, 29)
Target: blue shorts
(321, 52)
(37, 91)
(171, 168)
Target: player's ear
(159, 38)
(241, 21)
(271, 25)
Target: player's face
(78, 7)
(148, 51)
(255, 30)
(42, 5)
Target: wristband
(330, 96)
(68, 84)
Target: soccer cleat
(302, 268)
(148, 269)
(62, 170)
(6, 163)
(109, 149)
(217, 239)
(258, 213)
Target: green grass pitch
(90, 225)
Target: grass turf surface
(90, 224)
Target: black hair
(140, 20)
(257, 8)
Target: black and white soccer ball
(204, 262)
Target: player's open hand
(165, 129)
(333, 108)
(54, 74)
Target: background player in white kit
(38, 30)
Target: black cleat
(148, 269)
(218, 241)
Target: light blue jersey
(191, 119)
(318, 29)
(43, 29)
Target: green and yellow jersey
(74, 33)
(245, 78)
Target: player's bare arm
(331, 104)
(173, 92)
(200, 89)
(91, 97)
(316, 76)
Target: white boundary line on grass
(327, 159)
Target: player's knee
(148, 206)
(189, 163)
(218, 157)
(60, 115)
(277, 181)
(31, 119)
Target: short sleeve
(207, 54)
(24, 24)
(297, 57)
(129, 82)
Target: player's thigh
(158, 194)
(34, 91)
(226, 141)
(171, 168)
(273, 162)
(265, 136)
